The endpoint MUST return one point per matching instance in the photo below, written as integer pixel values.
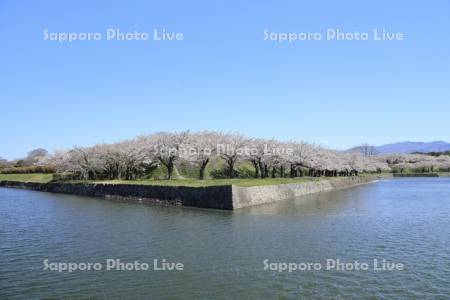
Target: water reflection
(346, 202)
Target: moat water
(402, 224)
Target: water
(403, 220)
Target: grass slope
(35, 177)
(43, 178)
(211, 182)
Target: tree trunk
(201, 176)
(170, 169)
(169, 165)
(230, 163)
(261, 169)
(255, 165)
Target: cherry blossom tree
(201, 147)
(168, 148)
(420, 163)
(136, 158)
(231, 149)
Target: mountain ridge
(411, 146)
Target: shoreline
(225, 197)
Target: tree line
(418, 163)
(141, 156)
(133, 159)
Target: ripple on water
(403, 220)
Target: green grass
(35, 177)
(43, 178)
(208, 182)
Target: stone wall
(219, 197)
(208, 197)
(249, 196)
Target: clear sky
(223, 75)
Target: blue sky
(223, 75)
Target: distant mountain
(409, 147)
